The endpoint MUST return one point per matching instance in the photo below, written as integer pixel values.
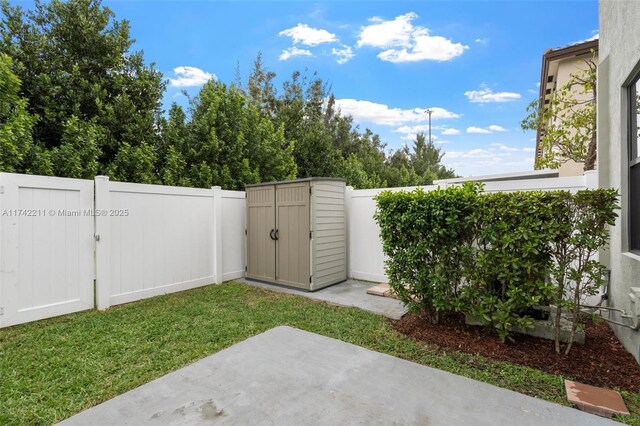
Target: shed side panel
(329, 234)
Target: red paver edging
(600, 401)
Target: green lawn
(52, 369)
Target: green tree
(567, 124)
(39, 161)
(260, 88)
(236, 143)
(15, 122)
(290, 111)
(77, 155)
(300, 110)
(272, 154)
(75, 60)
(218, 128)
(327, 143)
(399, 171)
(174, 148)
(425, 160)
(352, 169)
(134, 164)
(174, 170)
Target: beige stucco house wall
(619, 64)
(558, 65)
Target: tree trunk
(590, 159)
(557, 327)
(574, 326)
(559, 300)
(592, 149)
(576, 317)
(436, 318)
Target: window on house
(634, 166)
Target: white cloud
(413, 136)
(373, 112)
(490, 159)
(294, 51)
(486, 130)
(481, 40)
(527, 149)
(486, 95)
(479, 130)
(404, 42)
(450, 131)
(343, 55)
(503, 147)
(474, 153)
(434, 48)
(190, 77)
(385, 34)
(308, 36)
(414, 129)
(482, 161)
(467, 163)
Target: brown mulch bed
(602, 361)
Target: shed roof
(309, 179)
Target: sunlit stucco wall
(619, 63)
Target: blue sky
(475, 63)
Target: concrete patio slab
(349, 293)
(287, 376)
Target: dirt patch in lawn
(602, 361)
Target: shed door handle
(271, 235)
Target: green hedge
(428, 237)
(494, 256)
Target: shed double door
(278, 234)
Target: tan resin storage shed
(296, 233)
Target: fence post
(348, 192)
(217, 233)
(591, 179)
(103, 280)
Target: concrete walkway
(290, 377)
(349, 293)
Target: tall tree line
(77, 101)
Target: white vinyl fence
(161, 239)
(68, 245)
(366, 259)
(46, 254)
(154, 240)
(233, 237)
(136, 241)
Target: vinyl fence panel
(46, 247)
(233, 238)
(366, 258)
(158, 239)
